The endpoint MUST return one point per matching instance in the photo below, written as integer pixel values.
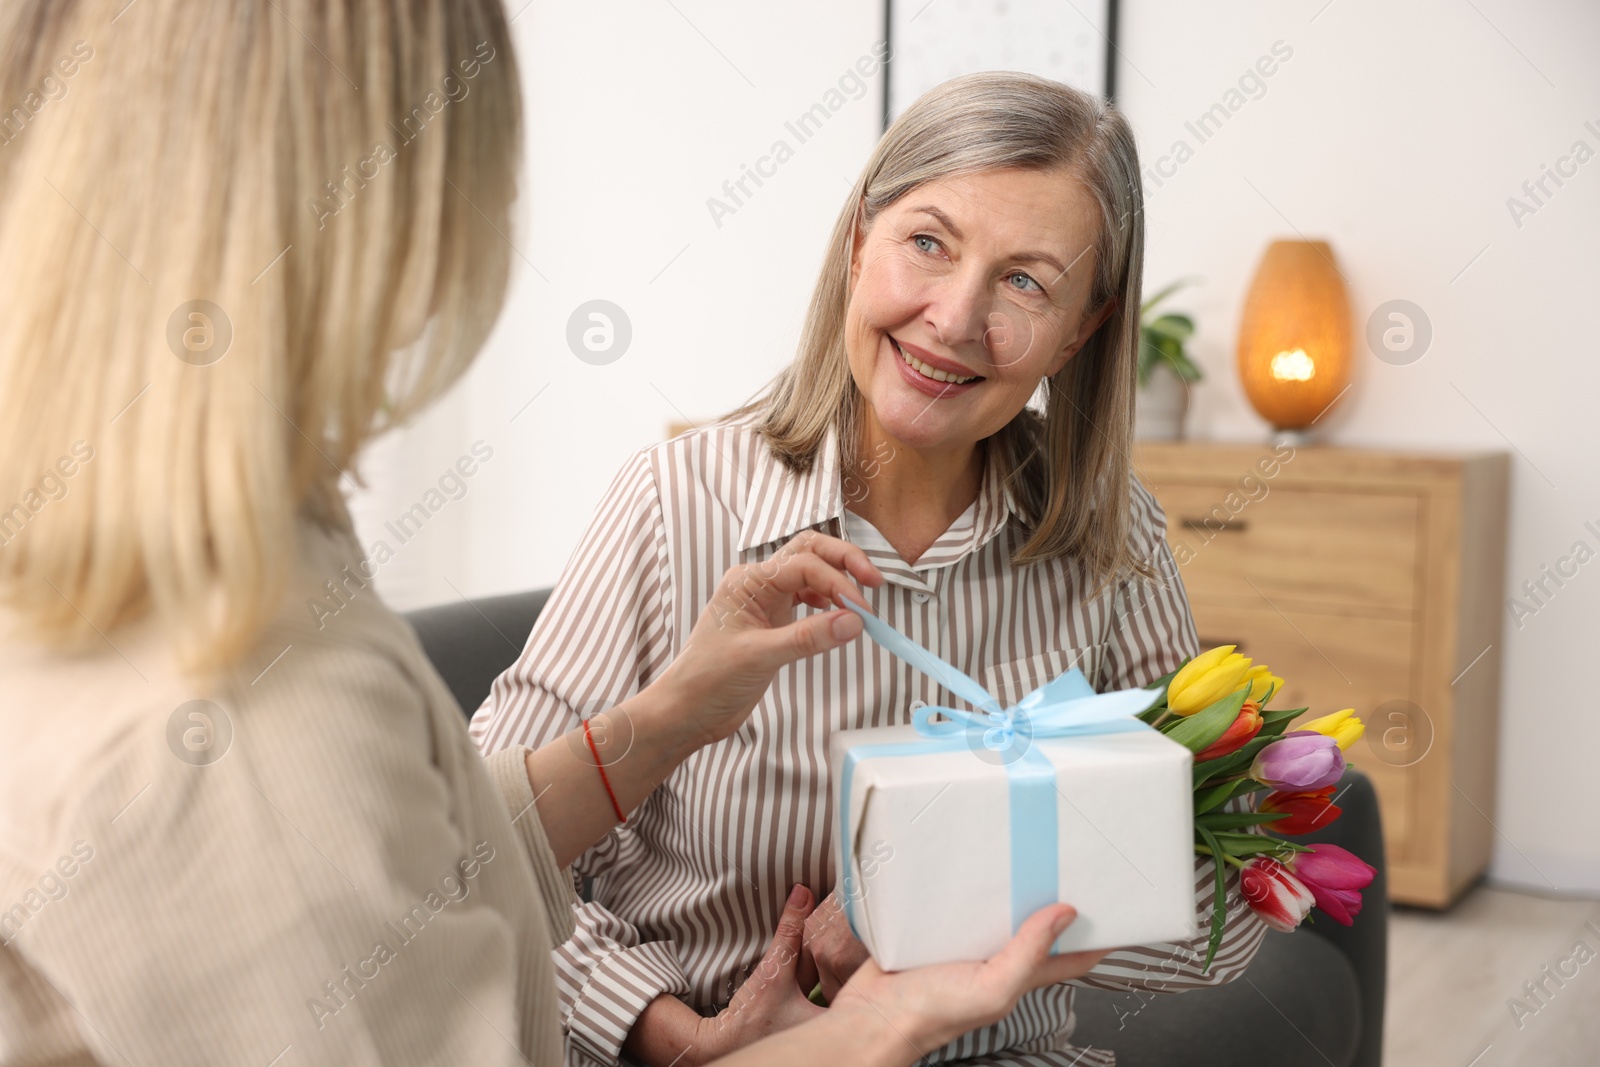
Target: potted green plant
(1165, 370)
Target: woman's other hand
(831, 952)
(932, 1006)
(771, 999)
(748, 630)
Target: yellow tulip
(1262, 681)
(1342, 726)
(1206, 679)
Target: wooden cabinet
(1371, 580)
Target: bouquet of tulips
(1216, 706)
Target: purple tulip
(1300, 760)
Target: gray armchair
(1314, 997)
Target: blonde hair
(332, 176)
(1068, 466)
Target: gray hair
(1067, 464)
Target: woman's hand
(745, 634)
(771, 999)
(748, 630)
(831, 953)
(893, 1020)
(931, 1006)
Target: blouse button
(920, 597)
(917, 705)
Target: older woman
(232, 829)
(960, 409)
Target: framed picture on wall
(931, 41)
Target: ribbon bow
(1063, 707)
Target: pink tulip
(1274, 894)
(1301, 760)
(1335, 879)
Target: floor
(1454, 978)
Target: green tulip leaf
(1247, 785)
(1240, 844)
(1219, 897)
(1210, 798)
(1211, 768)
(1234, 820)
(1231, 763)
(1282, 715)
(1277, 725)
(1201, 730)
(1220, 794)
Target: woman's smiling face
(964, 293)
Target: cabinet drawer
(1341, 549)
(1396, 786)
(1330, 662)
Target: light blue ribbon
(1067, 706)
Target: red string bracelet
(601, 767)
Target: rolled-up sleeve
(508, 769)
(607, 977)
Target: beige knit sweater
(314, 867)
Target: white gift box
(931, 840)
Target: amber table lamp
(1294, 340)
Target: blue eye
(1027, 282)
(926, 243)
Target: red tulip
(1307, 810)
(1274, 894)
(1244, 728)
(1335, 879)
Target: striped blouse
(686, 895)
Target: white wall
(1396, 131)
(638, 113)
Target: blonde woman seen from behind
(238, 238)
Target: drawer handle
(1206, 524)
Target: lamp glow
(1293, 366)
(1294, 339)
